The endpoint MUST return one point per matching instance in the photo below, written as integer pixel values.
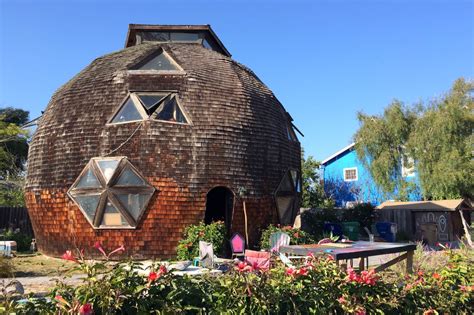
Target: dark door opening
(219, 206)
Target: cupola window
(111, 193)
(163, 106)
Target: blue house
(348, 181)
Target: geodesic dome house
(157, 136)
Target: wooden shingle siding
(238, 137)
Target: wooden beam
(391, 262)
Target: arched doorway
(219, 206)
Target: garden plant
(316, 286)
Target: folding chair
(237, 245)
(206, 254)
(258, 260)
(277, 240)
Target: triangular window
(107, 167)
(156, 105)
(134, 203)
(159, 62)
(129, 178)
(88, 205)
(151, 101)
(128, 112)
(113, 217)
(170, 111)
(88, 180)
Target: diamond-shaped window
(111, 193)
(286, 196)
(163, 106)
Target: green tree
(438, 137)
(13, 154)
(381, 146)
(313, 195)
(442, 143)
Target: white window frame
(408, 171)
(348, 169)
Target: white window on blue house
(408, 167)
(351, 174)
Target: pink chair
(258, 260)
(237, 244)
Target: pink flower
(152, 276)
(162, 270)
(360, 311)
(98, 246)
(68, 255)
(466, 288)
(342, 300)
(290, 271)
(86, 309)
(117, 250)
(303, 271)
(243, 267)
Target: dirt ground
(37, 265)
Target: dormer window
(163, 106)
(291, 133)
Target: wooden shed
(154, 137)
(431, 221)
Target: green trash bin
(351, 230)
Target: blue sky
(324, 60)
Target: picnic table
(342, 252)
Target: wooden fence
(16, 218)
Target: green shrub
(297, 236)
(313, 220)
(23, 241)
(364, 213)
(214, 233)
(315, 286)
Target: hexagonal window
(287, 195)
(111, 193)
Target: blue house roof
(337, 154)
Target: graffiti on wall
(436, 218)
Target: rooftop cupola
(202, 34)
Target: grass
(427, 260)
(38, 265)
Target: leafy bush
(364, 213)
(23, 241)
(214, 233)
(313, 221)
(297, 236)
(316, 286)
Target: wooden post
(466, 229)
(362, 264)
(246, 225)
(410, 261)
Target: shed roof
(434, 205)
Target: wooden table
(362, 250)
